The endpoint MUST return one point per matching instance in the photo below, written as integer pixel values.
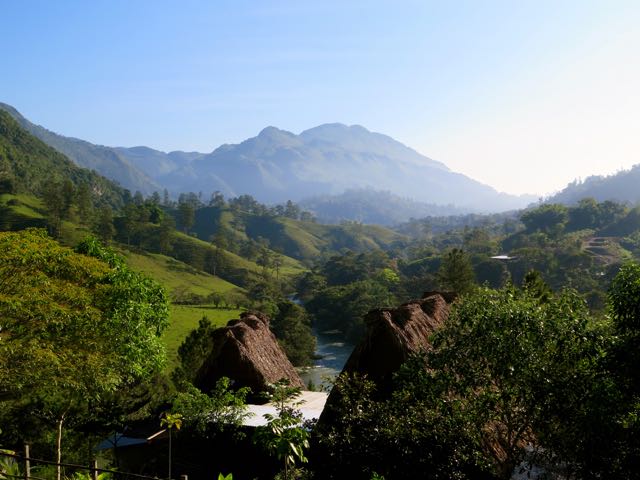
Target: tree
(207, 414)
(509, 379)
(216, 298)
(277, 262)
(155, 198)
(237, 298)
(518, 369)
(171, 421)
(64, 317)
(68, 192)
(584, 215)
(343, 307)
(217, 200)
(291, 210)
(621, 456)
(165, 234)
(285, 435)
(193, 351)
(186, 214)
(456, 272)
(548, 218)
(85, 205)
(130, 221)
(104, 225)
(411, 435)
(217, 258)
(292, 327)
(55, 204)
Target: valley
(215, 273)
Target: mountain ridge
(102, 159)
(277, 165)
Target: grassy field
(174, 274)
(184, 318)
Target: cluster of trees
(339, 292)
(517, 378)
(189, 203)
(553, 239)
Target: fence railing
(26, 463)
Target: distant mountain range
(276, 166)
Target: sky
(525, 96)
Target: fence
(26, 462)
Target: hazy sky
(524, 96)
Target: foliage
(285, 436)
(513, 376)
(456, 272)
(28, 165)
(342, 307)
(517, 366)
(73, 327)
(620, 457)
(547, 218)
(292, 327)
(207, 414)
(9, 467)
(193, 351)
(414, 434)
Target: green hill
(105, 160)
(305, 241)
(27, 165)
(175, 275)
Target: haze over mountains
(276, 166)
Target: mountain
(277, 165)
(621, 187)
(28, 165)
(106, 161)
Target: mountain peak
(274, 132)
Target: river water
(332, 352)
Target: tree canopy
(77, 323)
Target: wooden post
(94, 469)
(27, 462)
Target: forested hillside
(28, 165)
(619, 187)
(104, 160)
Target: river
(332, 353)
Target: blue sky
(524, 96)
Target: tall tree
(456, 272)
(104, 225)
(73, 327)
(85, 204)
(55, 203)
(186, 214)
